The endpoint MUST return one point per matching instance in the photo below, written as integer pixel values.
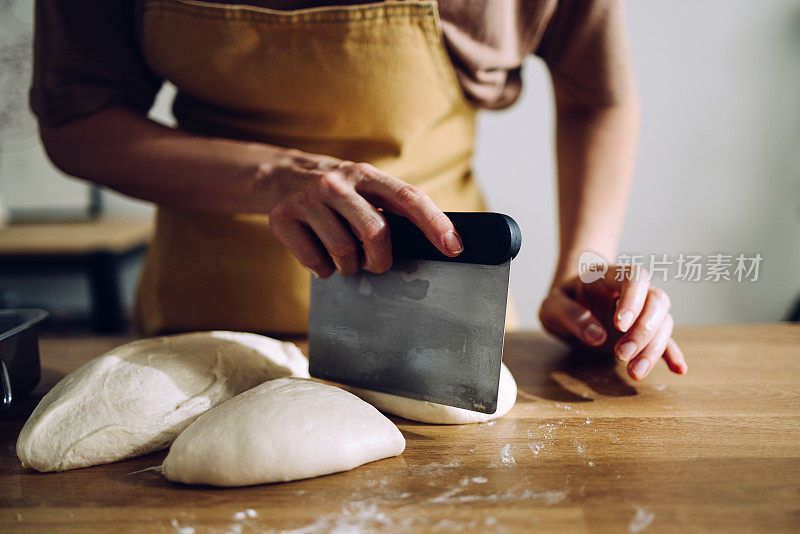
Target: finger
(299, 239)
(405, 199)
(640, 366)
(633, 293)
(335, 236)
(575, 320)
(646, 326)
(370, 228)
(675, 359)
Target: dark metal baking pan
(19, 353)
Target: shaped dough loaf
(137, 398)
(284, 429)
(431, 412)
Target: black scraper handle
(489, 238)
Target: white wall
(718, 167)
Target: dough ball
(431, 412)
(136, 399)
(284, 429)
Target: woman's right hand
(325, 210)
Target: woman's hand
(325, 211)
(629, 318)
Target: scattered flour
(536, 448)
(370, 507)
(544, 435)
(505, 455)
(449, 525)
(433, 469)
(641, 520)
(179, 529)
(455, 495)
(565, 406)
(474, 480)
(355, 517)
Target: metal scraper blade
(428, 330)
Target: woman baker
(299, 120)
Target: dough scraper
(430, 328)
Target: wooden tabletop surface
(584, 449)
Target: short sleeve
(586, 50)
(87, 58)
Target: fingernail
(626, 351)
(453, 243)
(639, 367)
(625, 320)
(594, 333)
(314, 274)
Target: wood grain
(585, 449)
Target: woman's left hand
(629, 318)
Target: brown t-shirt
(87, 55)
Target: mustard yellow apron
(370, 83)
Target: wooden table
(584, 449)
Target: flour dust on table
(431, 412)
(136, 398)
(285, 429)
